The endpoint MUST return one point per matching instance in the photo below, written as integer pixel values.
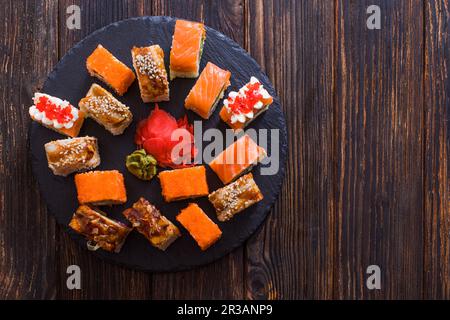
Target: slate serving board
(69, 80)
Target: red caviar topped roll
(156, 135)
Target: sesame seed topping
(105, 106)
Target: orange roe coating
(183, 183)
(99, 186)
(201, 228)
(109, 69)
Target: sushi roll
(56, 114)
(99, 230)
(183, 183)
(235, 197)
(152, 224)
(106, 67)
(237, 159)
(70, 155)
(208, 90)
(103, 108)
(151, 73)
(204, 231)
(242, 107)
(100, 188)
(187, 48)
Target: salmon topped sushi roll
(208, 90)
(184, 183)
(237, 159)
(106, 67)
(100, 187)
(187, 47)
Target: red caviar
(245, 104)
(53, 111)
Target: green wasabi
(141, 164)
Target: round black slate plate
(70, 80)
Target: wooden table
(367, 178)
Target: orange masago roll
(187, 46)
(103, 65)
(184, 183)
(199, 225)
(100, 187)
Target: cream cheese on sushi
(53, 111)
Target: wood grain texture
(222, 279)
(297, 262)
(26, 251)
(437, 139)
(99, 279)
(380, 149)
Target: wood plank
(380, 161)
(437, 139)
(99, 279)
(292, 256)
(27, 244)
(222, 279)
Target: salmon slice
(208, 90)
(237, 159)
(100, 187)
(105, 66)
(204, 231)
(187, 46)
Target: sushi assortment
(181, 178)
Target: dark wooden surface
(368, 173)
